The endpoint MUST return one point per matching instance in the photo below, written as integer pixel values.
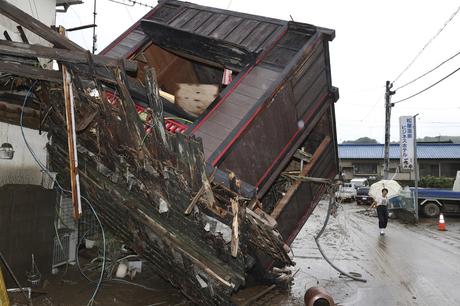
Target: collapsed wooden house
(186, 125)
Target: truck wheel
(431, 209)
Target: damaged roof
(286, 62)
(250, 31)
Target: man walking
(381, 202)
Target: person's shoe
(382, 232)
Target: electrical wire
(429, 71)
(61, 189)
(132, 3)
(320, 249)
(429, 87)
(427, 44)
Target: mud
(410, 265)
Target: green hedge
(436, 182)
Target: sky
(375, 41)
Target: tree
(365, 140)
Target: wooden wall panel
(264, 139)
(171, 69)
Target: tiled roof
(375, 151)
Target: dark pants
(382, 213)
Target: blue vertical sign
(406, 142)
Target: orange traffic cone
(441, 223)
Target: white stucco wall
(22, 169)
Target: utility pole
(415, 168)
(94, 26)
(388, 106)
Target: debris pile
(149, 176)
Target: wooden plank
(195, 98)
(211, 24)
(309, 59)
(200, 193)
(235, 228)
(27, 21)
(245, 91)
(258, 36)
(31, 72)
(242, 31)
(185, 17)
(294, 39)
(214, 50)
(226, 27)
(232, 109)
(63, 55)
(317, 90)
(23, 34)
(72, 142)
(280, 56)
(258, 147)
(196, 21)
(279, 207)
(232, 13)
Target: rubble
(206, 216)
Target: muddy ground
(410, 265)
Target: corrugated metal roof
(375, 151)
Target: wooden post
(235, 227)
(72, 142)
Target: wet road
(410, 265)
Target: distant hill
(361, 140)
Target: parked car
(362, 196)
(360, 182)
(346, 192)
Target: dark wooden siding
(253, 32)
(225, 118)
(275, 130)
(306, 197)
(262, 142)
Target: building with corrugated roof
(366, 160)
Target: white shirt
(381, 201)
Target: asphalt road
(410, 265)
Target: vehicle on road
(363, 197)
(346, 193)
(434, 201)
(360, 182)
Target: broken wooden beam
(31, 72)
(61, 55)
(199, 194)
(284, 201)
(71, 141)
(27, 21)
(201, 48)
(235, 228)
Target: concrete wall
(22, 169)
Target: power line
(429, 71)
(132, 3)
(429, 87)
(428, 43)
